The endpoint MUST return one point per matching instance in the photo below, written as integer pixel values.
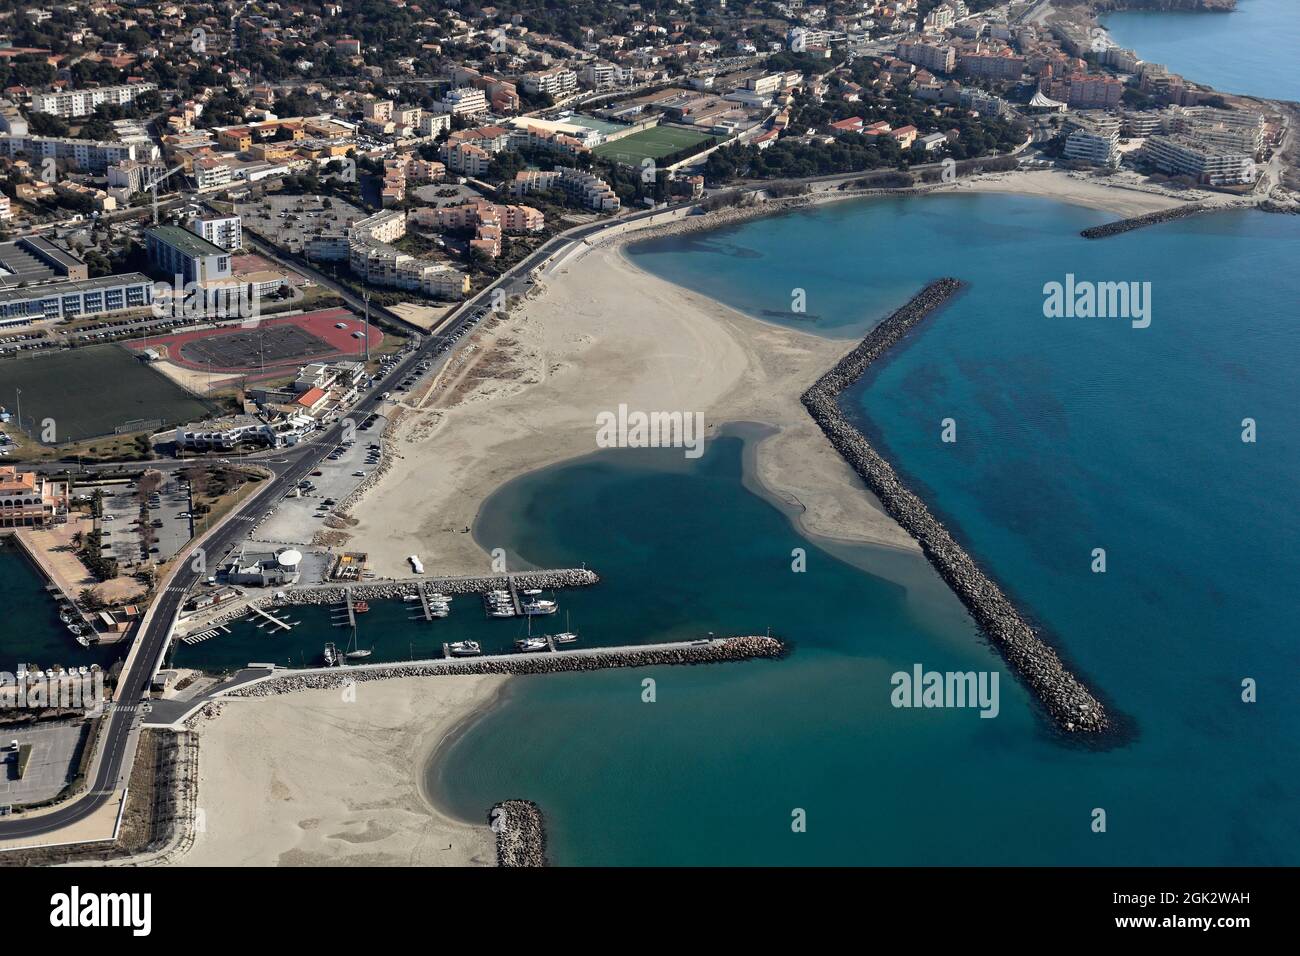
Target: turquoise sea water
(1250, 50)
(1073, 434)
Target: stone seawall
(1137, 222)
(521, 834)
(1070, 704)
(712, 651)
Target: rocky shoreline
(521, 833)
(713, 651)
(1068, 701)
(1137, 222)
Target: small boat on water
(437, 597)
(331, 655)
(411, 597)
(532, 592)
(531, 644)
(75, 629)
(539, 606)
(566, 636)
(360, 607)
(66, 615)
(358, 654)
(465, 648)
(83, 640)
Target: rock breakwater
(716, 650)
(521, 834)
(1070, 704)
(1137, 222)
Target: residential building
(463, 101)
(1092, 139)
(85, 154)
(557, 82)
(1207, 164)
(933, 56)
(73, 103)
(583, 187)
(224, 231)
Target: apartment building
(490, 221)
(224, 231)
(134, 177)
(211, 173)
(583, 187)
(938, 57)
(1093, 139)
(989, 64)
(1087, 91)
(557, 82)
(463, 101)
(87, 155)
(73, 103)
(466, 158)
(1207, 164)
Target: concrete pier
(1067, 700)
(424, 603)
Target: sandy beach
(311, 779)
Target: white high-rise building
(224, 231)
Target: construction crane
(155, 183)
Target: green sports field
(649, 144)
(88, 392)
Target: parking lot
(298, 517)
(166, 506)
(56, 750)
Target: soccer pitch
(87, 392)
(649, 144)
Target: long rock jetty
(706, 651)
(1137, 222)
(521, 834)
(1070, 704)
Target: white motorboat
(465, 648)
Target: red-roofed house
(312, 399)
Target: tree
(90, 599)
